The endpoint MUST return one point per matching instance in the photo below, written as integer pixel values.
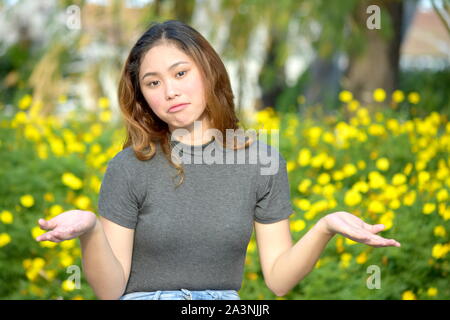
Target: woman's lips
(179, 107)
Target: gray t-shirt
(196, 236)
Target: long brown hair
(144, 129)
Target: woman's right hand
(67, 225)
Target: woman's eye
(150, 84)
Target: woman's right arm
(106, 257)
(106, 248)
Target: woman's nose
(171, 90)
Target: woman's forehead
(161, 57)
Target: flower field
(382, 166)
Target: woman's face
(169, 77)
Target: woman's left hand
(352, 227)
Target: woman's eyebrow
(171, 67)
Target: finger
(383, 242)
(49, 236)
(46, 225)
(374, 228)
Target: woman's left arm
(294, 264)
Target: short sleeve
(273, 201)
(117, 200)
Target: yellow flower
(329, 163)
(68, 285)
(103, 102)
(323, 178)
(439, 231)
(361, 164)
(6, 217)
(95, 183)
(27, 200)
(49, 197)
(96, 129)
(361, 186)
(25, 102)
(328, 137)
(398, 96)
(65, 259)
(55, 210)
(353, 105)
(328, 192)
(442, 195)
(303, 204)
(56, 145)
(82, 202)
(376, 180)
(304, 185)
(72, 181)
(345, 260)
(290, 165)
(352, 198)
(361, 258)
(386, 219)
(105, 116)
(398, 179)
(409, 198)
(304, 157)
(20, 117)
(340, 245)
(394, 204)
(432, 292)
(408, 168)
(37, 231)
(251, 246)
(298, 225)
(376, 206)
(428, 208)
(318, 264)
(345, 96)
(48, 244)
(42, 151)
(349, 169)
(408, 295)
(33, 267)
(338, 175)
(439, 250)
(414, 97)
(382, 164)
(4, 239)
(252, 275)
(379, 95)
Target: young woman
(154, 239)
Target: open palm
(67, 225)
(352, 227)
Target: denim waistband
(183, 294)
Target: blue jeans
(183, 294)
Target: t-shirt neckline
(192, 149)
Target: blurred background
(359, 91)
